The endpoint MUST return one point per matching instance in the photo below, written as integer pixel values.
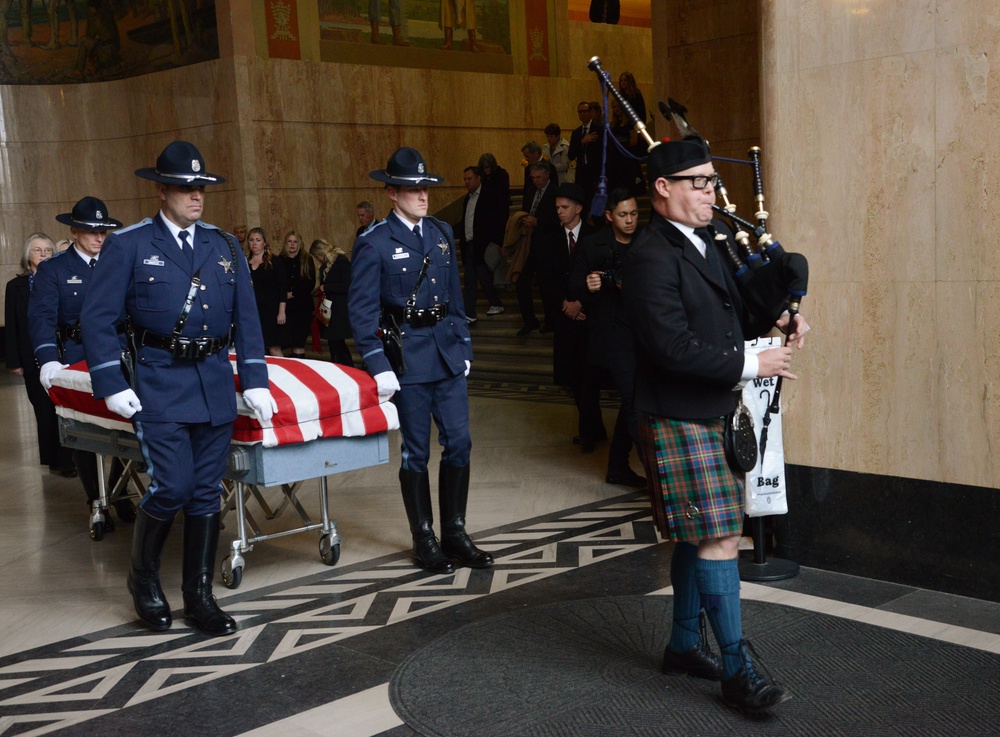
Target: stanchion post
(760, 569)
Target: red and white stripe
(316, 399)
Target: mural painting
(457, 26)
(65, 41)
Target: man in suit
(585, 149)
(365, 212)
(54, 316)
(187, 292)
(596, 281)
(532, 153)
(569, 344)
(690, 322)
(484, 219)
(541, 220)
(410, 257)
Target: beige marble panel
(621, 49)
(965, 22)
(839, 31)
(968, 380)
(968, 151)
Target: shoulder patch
(127, 228)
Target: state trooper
(186, 289)
(54, 310)
(411, 257)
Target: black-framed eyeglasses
(698, 181)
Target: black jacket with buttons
(689, 324)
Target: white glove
(124, 403)
(49, 370)
(261, 402)
(468, 367)
(387, 384)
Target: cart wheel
(97, 531)
(234, 579)
(109, 524)
(329, 553)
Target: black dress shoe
(626, 477)
(750, 692)
(545, 329)
(67, 472)
(527, 330)
(699, 662)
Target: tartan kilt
(694, 493)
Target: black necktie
(186, 247)
(572, 243)
(92, 262)
(416, 231)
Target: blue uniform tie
(187, 248)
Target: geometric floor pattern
(76, 681)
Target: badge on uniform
(400, 253)
(74, 280)
(227, 266)
(153, 260)
(443, 245)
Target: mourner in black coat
(484, 219)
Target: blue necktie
(187, 248)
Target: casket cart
(329, 420)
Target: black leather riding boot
(416, 488)
(201, 541)
(453, 495)
(144, 579)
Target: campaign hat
(671, 157)
(406, 167)
(89, 213)
(180, 163)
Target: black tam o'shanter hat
(406, 167)
(180, 163)
(572, 191)
(89, 213)
(671, 157)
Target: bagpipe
(770, 279)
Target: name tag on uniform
(74, 280)
(153, 260)
(405, 254)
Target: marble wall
(881, 137)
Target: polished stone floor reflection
(318, 645)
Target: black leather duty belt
(420, 318)
(186, 349)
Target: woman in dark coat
(299, 307)
(21, 358)
(335, 280)
(270, 287)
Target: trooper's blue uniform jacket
(57, 295)
(384, 268)
(143, 267)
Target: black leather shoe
(125, 510)
(699, 662)
(527, 330)
(459, 547)
(427, 554)
(747, 690)
(626, 477)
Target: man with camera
(596, 281)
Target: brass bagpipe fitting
(769, 279)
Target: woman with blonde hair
(335, 280)
(300, 269)
(20, 355)
(269, 286)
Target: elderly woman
(21, 356)
(334, 281)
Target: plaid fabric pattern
(694, 493)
